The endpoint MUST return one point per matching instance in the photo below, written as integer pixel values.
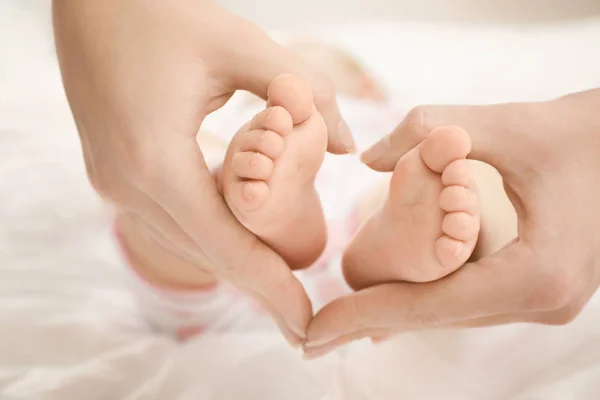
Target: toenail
(263, 136)
(457, 249)
(246, 191)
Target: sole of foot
(429, 224)
(269, 173)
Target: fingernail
(317, 343)
(310, 357)
(295, 337)
(297, 331)
(379, 340)
(313, 353)
(290, 337)
(376, 151)
(345, 136)
(298, 347)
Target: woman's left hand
(549, 157)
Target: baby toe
(265, 142)
(458, 173)
(275, 118)
(461, 226)
(251, 165)
(459, 199)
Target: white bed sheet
(69, 329)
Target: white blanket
(69, 329)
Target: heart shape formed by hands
(141, 76)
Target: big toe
(292, 93)
(444, 145)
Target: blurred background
(291, 14)
(25, 30)
(295, 14)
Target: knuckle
(563, 316)
(105, 183)
(419, 317)
(99, 183)
(555, 290)
(415, 122)
(425, 319)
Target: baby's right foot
(269, 173)
(429, 224)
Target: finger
(314, 350)
(498, 284)
(267, 277)
(560, 316)
(183, 186)
(340, 140)
(490, 127)
(295, 339)
(268, 60)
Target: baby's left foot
(269, 173)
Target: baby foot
(429, 224)
(269, 173)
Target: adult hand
(141, 76)
(549, 156)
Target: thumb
(492, 128)
(267, 60)
(503, 283)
